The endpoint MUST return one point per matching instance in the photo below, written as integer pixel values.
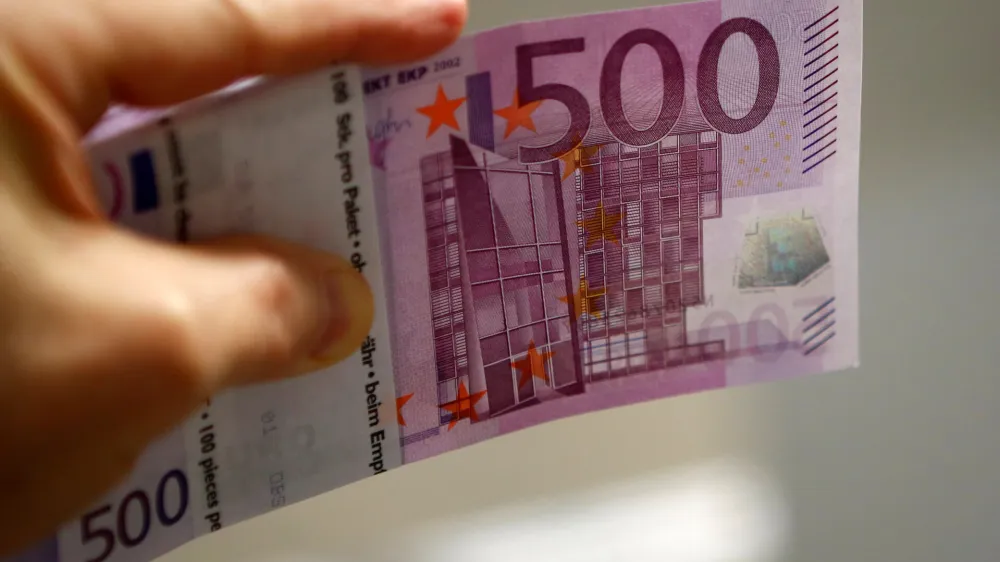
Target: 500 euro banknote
(555, 217)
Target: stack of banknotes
(555, 217)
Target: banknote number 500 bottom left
(126, 531)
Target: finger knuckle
(172, 328)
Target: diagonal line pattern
(820, 84)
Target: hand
(107, 339)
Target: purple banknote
(588, 212)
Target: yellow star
(772, 135)
(442, 112)
(747, 147)
(763, 161)
(777, 145)
(400, 402)
(743, 161)
(780, 184)
(787, 158)
(784, 123)
(569, 159)
(788, 137)
(739, 183)
(756, 170)
(600, 226)
(574, 158)
(518, 115)
(532, 366)
(581, 300)
(464, 406)
(767, 174)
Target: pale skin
(108, 339)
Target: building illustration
(546, 278)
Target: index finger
(160, 52)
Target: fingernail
(337, 290)
(453, 13)
(346, 297)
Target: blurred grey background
(898, 461)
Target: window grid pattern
(517, 281)
(520, 277)
(444, 268)
(647, 266)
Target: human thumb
(272, 309)
(109, 339)
(210, 316)
(268, 309)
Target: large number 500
(128, 537)
(612, 106)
